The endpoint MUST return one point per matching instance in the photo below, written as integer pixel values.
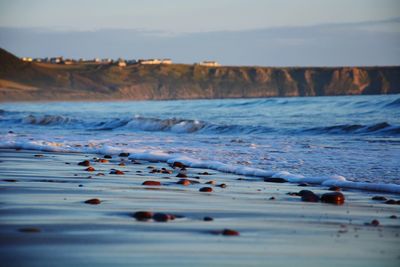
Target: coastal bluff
(32, 81)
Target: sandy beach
(46, 222)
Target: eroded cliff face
(30, 81)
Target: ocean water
(351, 141)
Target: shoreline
(43, 209)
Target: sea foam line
(153, 155)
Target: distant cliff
(25, 81)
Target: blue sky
(235, 32)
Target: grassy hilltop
(25, 81)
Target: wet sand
(45, 221)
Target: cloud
(362, 43)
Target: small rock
(308, 196)
(391, 202)
(379, 198)
(84, 163)
(90, 169)
(107, 157)
(93, 201)
(135, 162)
(293, 194)
(38, 156)
(275, 180)
(29, 230)
(178, 164)
(123, 154)
(166, 171)
(161, 217)
(9, 180)
(374, 222)
(99, 174)
(204, 173)
(117, 172)
(205, 189)
(272, 198)
(222, 185)
(143, 215)
(335, 188)
(103, 160)
(230, 232)
(151, 183)
(303, 184)
(208, 219)
(393, 217)
(333, 198)
(210, 182)
(181, 175)
(121, 164)
(184, 182)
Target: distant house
(121, 63)
(155, 61)
(68, 61)
(27, 59)
(209, 63)
(38, 60)
(56, 60)
(106, 61)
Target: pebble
(9, 180)
(151, 183)
(121, 164)
(103, 160)
(93, 201)
(117, 172)
(181, 175)
(374, 222)
(162, 217)
(184, 182)
(272, 198)
(303, 184)
(84, 163)
(38, 156)
(391, 202)
(222, 185)
(208, 219)
(29, 230)
(204, 173)
(143, 215)
(333, 198)
(124, 154)
(393, 217)
(90, 169)
(107, 157)
(379, 198)
(275, 180)
(205, 189)
(308, 196)
(210, 182)
(230, 232)
(178, 164)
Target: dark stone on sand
(272, 198)
(275, 180)
(135, 162)
(293, 194)
(84, 163)
(121, 164)
(123, 154)
(222, 185)
(181, 175)
(208, 219)
(154, 171)
(81, 185)
(178, 164)
(165, 171)
(143, 215)
(38, 156)
(117, 172)
(379, 198)
(151, 183)
(374, 222)
(107, 157)
(398, 202)
(9, 180)
(333, 198)
(308, 196)
(10, 132)
(391, 202)
(99, 174)
(303, 184)
(161, 217)
(90, 169)
(205, 189)
(393, 217)
(335, 188)
(184, 182)
(203, 173)
(93, 201)
(29, 230)
(103, 160)
(210, 182)
(230, 232)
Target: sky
(235, 32)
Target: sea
(349, 141)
